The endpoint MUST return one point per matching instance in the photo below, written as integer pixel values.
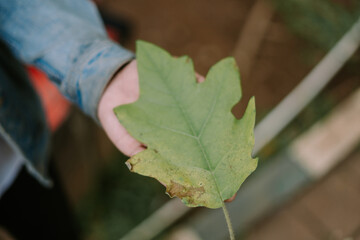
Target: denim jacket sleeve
(67, 40)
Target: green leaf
(195, 146)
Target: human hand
(124, 89)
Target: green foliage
(320, 22)
(195, 146)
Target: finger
(231, 199)
(199, 78)
(119, 136)
(129, 145)
(124, 141)
(123, 89)
(136, 149)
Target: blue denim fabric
(66, 39)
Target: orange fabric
(55, 105)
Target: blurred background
(276, 44)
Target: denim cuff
(92, 72)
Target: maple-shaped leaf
(195, 146)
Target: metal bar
(308, 88)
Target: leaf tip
(129, 166)
(256, 162)
(132, 162)
(252, 102)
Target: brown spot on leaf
(181, 191)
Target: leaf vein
(190, 125)
(176, 131)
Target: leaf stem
(228, 222)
